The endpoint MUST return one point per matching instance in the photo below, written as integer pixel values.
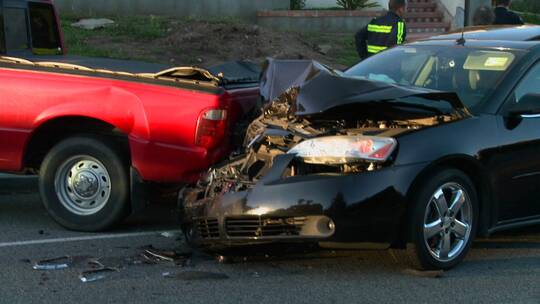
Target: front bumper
(363, 207)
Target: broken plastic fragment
(53, 264)
(224, 259)
(153, 256)
(95, 275)
(162, 256)
(171, 234)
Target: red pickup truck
(97, 136)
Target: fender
(123, 110)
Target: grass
(531, 18)
(343, 46)
(147, 30)
(529, 6)
(140, 28)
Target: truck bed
(233, 72)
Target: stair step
(420, 1)
(436, 14)
(414, 25)
(424, 20)
(422, 7)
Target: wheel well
(474, 170)
(52, 132)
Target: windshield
(471, 73)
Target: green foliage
(298, 4)
(356, 4)
(140, 28)
(531, 18)
(529, 6)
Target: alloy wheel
(447, 222)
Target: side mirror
(528, 105)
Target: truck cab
(30, 27)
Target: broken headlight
(337, 150)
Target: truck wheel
(84, 184)
(444, 221)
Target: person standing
(503, 15)
(383, 32)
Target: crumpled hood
(322, 88)
(325, 92)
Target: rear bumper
(364, 207)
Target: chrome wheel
(447, 222)
(83, 185)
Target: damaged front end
(316, 164)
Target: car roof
(494, 32)
(524, 37)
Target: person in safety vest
(383, 32)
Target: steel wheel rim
(83, 185)
(447, 222)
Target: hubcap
(447, 222)
(83, 185)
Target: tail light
(211, 128)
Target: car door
(517, 164)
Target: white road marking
(85, 238)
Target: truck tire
(84, 183)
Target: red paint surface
(160, 121)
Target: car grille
(208, 228)
(261, 227)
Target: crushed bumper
(362, 207)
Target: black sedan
(422, 147)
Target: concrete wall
(317, 21)
(178, 8)
(454, 12)
(453, 5)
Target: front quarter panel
(473, 137)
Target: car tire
(84, 183)
(443, 220)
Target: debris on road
(154, 256)
(93, 24)
(172, 234)
(195, 275)
(53, 264)
(96, 274)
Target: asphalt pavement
(503, 269)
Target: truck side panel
(160, 121)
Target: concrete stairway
(424, 18)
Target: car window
(16, 29)
(471, 73)
(529, 84)
(44, 28)
(2, 37)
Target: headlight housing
(336, 150)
